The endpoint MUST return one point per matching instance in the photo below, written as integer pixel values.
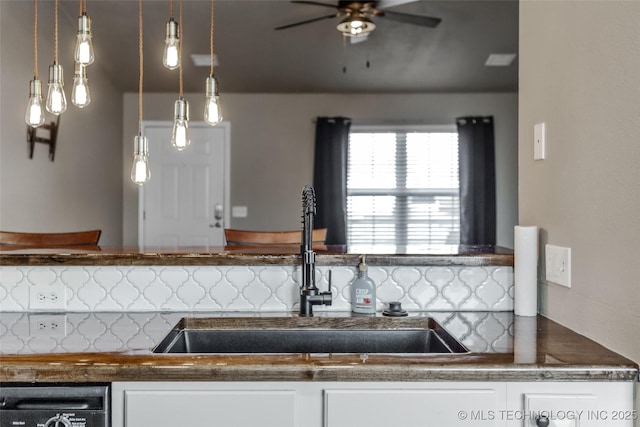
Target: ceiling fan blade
(424, 21)
(385, 4)
(308, 21)
(315, 3)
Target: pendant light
(56, 100)
(212, 110)
(80, 96)
(34, 115)
(140, 172)
(180, 132)
(83, 53)
(171, 56)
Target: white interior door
(186, 201)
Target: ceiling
(310, 58)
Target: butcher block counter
(460, 255)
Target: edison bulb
(140, 173)
(212, 110)
(171, 56)
(180, 132)
(80, 95)
(212, 113)
(56, 99)
(83, 53)
(34, 115)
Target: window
(402, 189)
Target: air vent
(204, 60)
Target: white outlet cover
(48, 325)
(539, 141)
(48, 297)
(558, 265)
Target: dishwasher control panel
(54, 406)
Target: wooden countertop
(540, 350)
(256, 255)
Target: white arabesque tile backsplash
(481, 332)
(254, 288)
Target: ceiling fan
(358, 16)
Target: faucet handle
(329, 280)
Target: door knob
(218, 211)
(542, 421)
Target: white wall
(579, 73)
(272, 142)
(82, 188)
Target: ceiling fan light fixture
(356, 25)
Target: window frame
(401, 244)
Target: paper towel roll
(525, 339)
(525, 270)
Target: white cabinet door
(570, 404)
(431, 406)
(212, 408)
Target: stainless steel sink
(420, 335)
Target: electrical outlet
(558, 265)
(49, 325)
(48, 297)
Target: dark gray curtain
(477, 181)
(330, 177)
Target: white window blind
(402, 190)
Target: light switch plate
(558, 265)
(539, 141)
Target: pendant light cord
(180, 49)
(35, 39)
(141, 67)
(171, 9)
(55, 35)
(211, 40)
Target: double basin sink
(277, 335)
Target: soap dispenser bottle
(363, 291)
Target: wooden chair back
(78, 238)
(257, 238)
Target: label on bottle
(363, 298)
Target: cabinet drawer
(213, 408)
(410, 408)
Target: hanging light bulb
(140, 172)
(35, 113)
(80, 95)
(180, 133)
(84, 47)
(56, 100)
(171, 57)
(34, 116)
(212, 111)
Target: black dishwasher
(40, 405)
